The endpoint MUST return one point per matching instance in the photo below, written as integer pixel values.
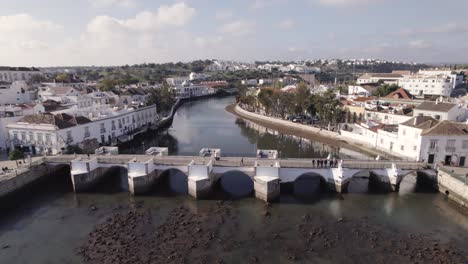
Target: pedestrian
(88, 155)
(336, 163)
(313, 163)
(242, 162)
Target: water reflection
(205, 123)
(237, 184)
(172, 182)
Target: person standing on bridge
(313, 163)
(242, 162)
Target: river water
(47, 223)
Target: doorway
(448, 160)
(461, 163)
(430, 159)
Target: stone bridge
(202, 173)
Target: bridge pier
(142, 175)
(85, 173)
(267, 180)
(200, 179)
(338, 182)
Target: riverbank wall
(22, 177)
(454, 185)
(305, 131)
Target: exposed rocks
(212, 236)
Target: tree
(163, 98)
(386, 89)
(16, 155)
(302, 98)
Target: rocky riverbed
(211, 236)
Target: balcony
(450, 149)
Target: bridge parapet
(200, 178)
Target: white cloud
(223, 15)
(109, 3)
(25, 24)
(237, 28)
(345, 3)
(450, 28)
(286, 24)
(420, 44)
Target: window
(69, 137)
(86, 132)
(402, 147)
(381, 141)
(31, 135)
(415, 148)
(437, 117)
(15, 134)
(103, 128)
(433, 145)
(40, 138)
(113, 124)
(47, 138)
(404, 132)
(465, 144)
(451, 143)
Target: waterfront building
(431, 82)
(389, 116)
(12, 74)
(421, 138)
(177, 81)
(191, 91)
(52, 133)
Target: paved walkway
(13, 168)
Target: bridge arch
(309, 185)
(235, 183)
(172, 181)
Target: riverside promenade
(307, 131)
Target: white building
(17, 92)
(251, 82)
(265, 81)
(50, 133)
(431, 83)
(9, 115)
(12, 74)
(442, 111)
(198, 76)
(177, 81)
(192, 91)
(389, 116)
(421, 138)
(388, 78)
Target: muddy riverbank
(209, 236)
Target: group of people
(323, 163)
(5, 169)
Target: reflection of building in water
(291, 146)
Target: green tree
(386, 89)
(163, 97)
(15, 155)
(302, 98)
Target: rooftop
(434, 106)
(447, 128)
(421, 122)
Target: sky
(119, 32)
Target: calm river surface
(48, 222)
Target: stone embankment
(19, 178)
(305, 131)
